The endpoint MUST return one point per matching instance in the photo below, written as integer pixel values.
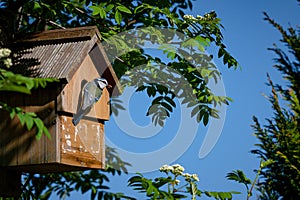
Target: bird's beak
(109, 86)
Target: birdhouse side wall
(19, 147)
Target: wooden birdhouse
(74, 56)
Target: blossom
(177, 182)
(189, 17)
(166, 168)
(4, 52)
(7, 62)
(195, 177)
(188, 177)
(177, 169)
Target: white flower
(190, 17)
(166, 168)
(177, 182)
(187, 176)
(4, 52)
(7, 62)
(177, 169)
(195, 177)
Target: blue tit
(90, 94)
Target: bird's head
(101, 83)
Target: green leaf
(46, 195)
(141, 88)
(142, 7)
(167, 106)
(36, 6)
(157, 100)
(151, 91)
(15, 88)
(29, 123)
(170, 101)
(46, 132)
(238, 176)
(124, 9)
(118, 17)
(39, 124)
(195, 111)
(93, 193)
(221, 52)
(102, 13)
(41, 129)
(12, 114)
(205, 118)
(266, 163)
(96, 10)
(162, 89)
(22, 118)
(109, 7)
(171, 55)
(225, 195)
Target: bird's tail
(77, 117)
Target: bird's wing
(91, 94)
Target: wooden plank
(18, 146)
(38, 97)
(83, 145)
(33, 151)
(10, 131)
(102, 107)
(72, 92)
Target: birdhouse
(75, 57)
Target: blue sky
(247, 37)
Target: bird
(90, 94)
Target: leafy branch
(171, 186)
(240, 177)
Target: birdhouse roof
(59, 53)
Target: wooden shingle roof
(59, 53)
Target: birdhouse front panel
(72, 94)
(82, 145)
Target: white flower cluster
(175, 169)
(189, 17)
(189, 177)
(192, 18)
(4, 53)
(178, 170)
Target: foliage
(240, 177)
(42, 186)
(279, 139)
(170, 187)
(63, 184)
(21, 17)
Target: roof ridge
(78, 33)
